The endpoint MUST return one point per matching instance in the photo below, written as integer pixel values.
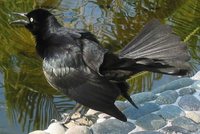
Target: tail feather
(158, 49)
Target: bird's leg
(81, 118)
(82, 110)
(67, 118)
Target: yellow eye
(31, 19)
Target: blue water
(4, 122)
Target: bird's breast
(64, 72)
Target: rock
(133, 113)
(100, 120)
(92, 112)
(151, 122)
(193, 116)
(78, 130)
(71, 124)
(56, 128)
(84, 121)
(186, 91)
(189, 103)
(112, 126)
(185, 123)
(196, 85)
(183, 82)
(121, 105)
(170, 112)
(196, 76)
(143, 97)
(167, 97)
(103, 115)
(197, 132)
(175, 130)
(38, 132)
(147, 132)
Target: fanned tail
(157, 49)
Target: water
(27, 102)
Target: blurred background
(27, 102)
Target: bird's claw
(66, 118)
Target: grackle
(75, 63)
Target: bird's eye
(31, 19)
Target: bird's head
(36, 21)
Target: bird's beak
(23, 21)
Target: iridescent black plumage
(75, 63)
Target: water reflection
(27, 99)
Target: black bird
(75, 63)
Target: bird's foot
(81, 121)
(66, 118)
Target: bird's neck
(50, 26)
(46, 31)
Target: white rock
(92, 112)
(78, 130)
(193, 116)
(55, 128)
(103, 115)
(100, 120)
(196, 76)
(38, 132)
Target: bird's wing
(66, 70)
(93, 53)
(83, 34)
(84, 86)
(97, 93)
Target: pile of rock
(171, 108)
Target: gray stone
(147, 132)
(151, 122)
(56, 128)
(121, 105)
(189, 103)
(183, 82)
(197, 132)
(143, 97)
(196, 85)
(167, 97)
(170, 112)
(133, 113)
(186, 91)
(112, 126)
(185, 123)
(78, 130)
(175, 130)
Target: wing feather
(97, 93)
